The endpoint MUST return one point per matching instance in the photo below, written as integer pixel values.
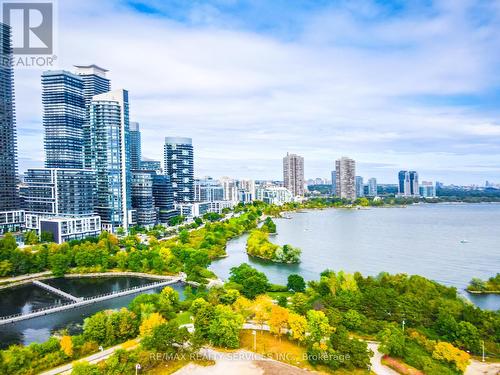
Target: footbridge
(59, 292)
(76, 302)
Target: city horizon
(225, 76)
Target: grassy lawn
(184, 318)
(169, 367)
(286, 351)
(275, 295)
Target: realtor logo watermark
(33, 32)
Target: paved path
(483, 368)
(241, 362)
(377, 366)
(94, 358)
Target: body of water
(29, 297)
(448, 243)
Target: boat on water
(464, 241)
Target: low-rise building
(12, 221)
(71, 228)
(427, 189)
(273, 195)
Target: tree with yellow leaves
(67, 345)
(262, 309)
(444, 351)
(278, 320)
(243, 306)
(151, 322)
(298, 326)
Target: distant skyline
(394, 85)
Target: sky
(395, 85)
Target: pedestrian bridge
(76, 302)
(59, 292)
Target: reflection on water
(93, 286)
(422, 239)
(39, 329)
(26, 298)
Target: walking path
(87, 301)
(376, 361)
(57, 291)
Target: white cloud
(342, 86)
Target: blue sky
(393, 84)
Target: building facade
(63, 118)
(58, 192)
(427, 189)
(345, 180)
(164, 198)
(143, 201)
(9, 198)
(360, 187)
(12, 221)
(179, 165)
(94, 83)
(372, 187)
(151, 165)
(408, 185)
(109, 116)
(70, 228)
(293, 174)
(135, 146)
(208, 190)
(278, 195)
(334, 183)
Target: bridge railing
(86, 299)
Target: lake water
(421, 239)
(30, 297)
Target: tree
(278, 320)
(243, 306)
(225, 327)
(269, 226)
(317, 325)
(253, 281)
(94, 328)
(167, 338)
(59, 263)
(447, 352)
(184, 236)
(352, 320)
(468, 337)
(296, 283)
(203, 313)
(300, 303)
(168, 302)
(30, 238)
(176, 220)
(262, 309)
(392, 341)
(356, 353)
(5, 268)
(67, 345)
(148, 324)
(85, 368)
(298, 326)
(8, 243)
(282, 301)
(47, 237)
